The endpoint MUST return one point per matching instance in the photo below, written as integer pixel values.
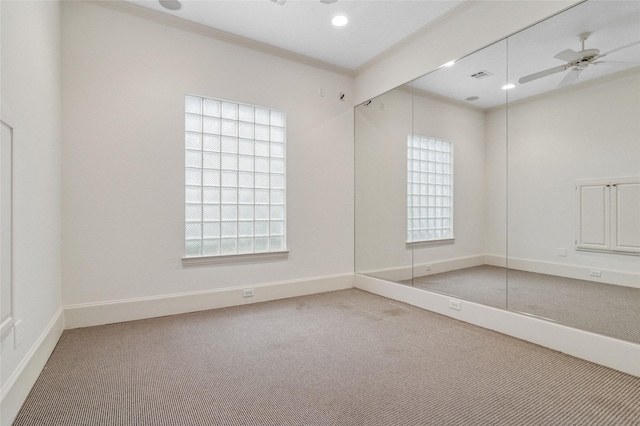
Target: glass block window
(429, 189)
(234, 178)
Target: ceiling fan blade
(615, 63)
(570, 78)
(568, 55)
(540, 74)
(620, 48)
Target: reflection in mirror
(382, 125)
(542, 215)
(574, 169)
(422, 165)
(449, 210)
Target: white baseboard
(90, 314)
(421, 269)
(406, 272)
(608, 276)
(607, 351)
(18, 386)
(394, 273)
(495, 260)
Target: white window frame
(429, 189)
(235, 182)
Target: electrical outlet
(455, 304)
(247, 292)
(427, 268)
(595, 273)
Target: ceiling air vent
(481, 74)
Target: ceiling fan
(282, 2)
(576, 62)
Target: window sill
(430, 242)
(233, 258)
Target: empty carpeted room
(288, 212)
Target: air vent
(481, 74)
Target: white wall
(124, 80)
(30, 88)
(381, 180)
(582, 132)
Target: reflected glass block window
(234, 178)
(429, 189)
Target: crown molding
(203, 30)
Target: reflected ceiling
(612, 24)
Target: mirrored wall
(511, 177)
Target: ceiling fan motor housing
(586, 57)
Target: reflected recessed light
(508, 86)
(449, 64)
(170, 4)
(339, 21)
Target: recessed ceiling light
(170, 4)
(508, 86)
(339, 21)
(449, 64)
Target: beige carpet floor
(606, 309)
(339, 358)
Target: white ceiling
(612, 24)
(304, 26)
